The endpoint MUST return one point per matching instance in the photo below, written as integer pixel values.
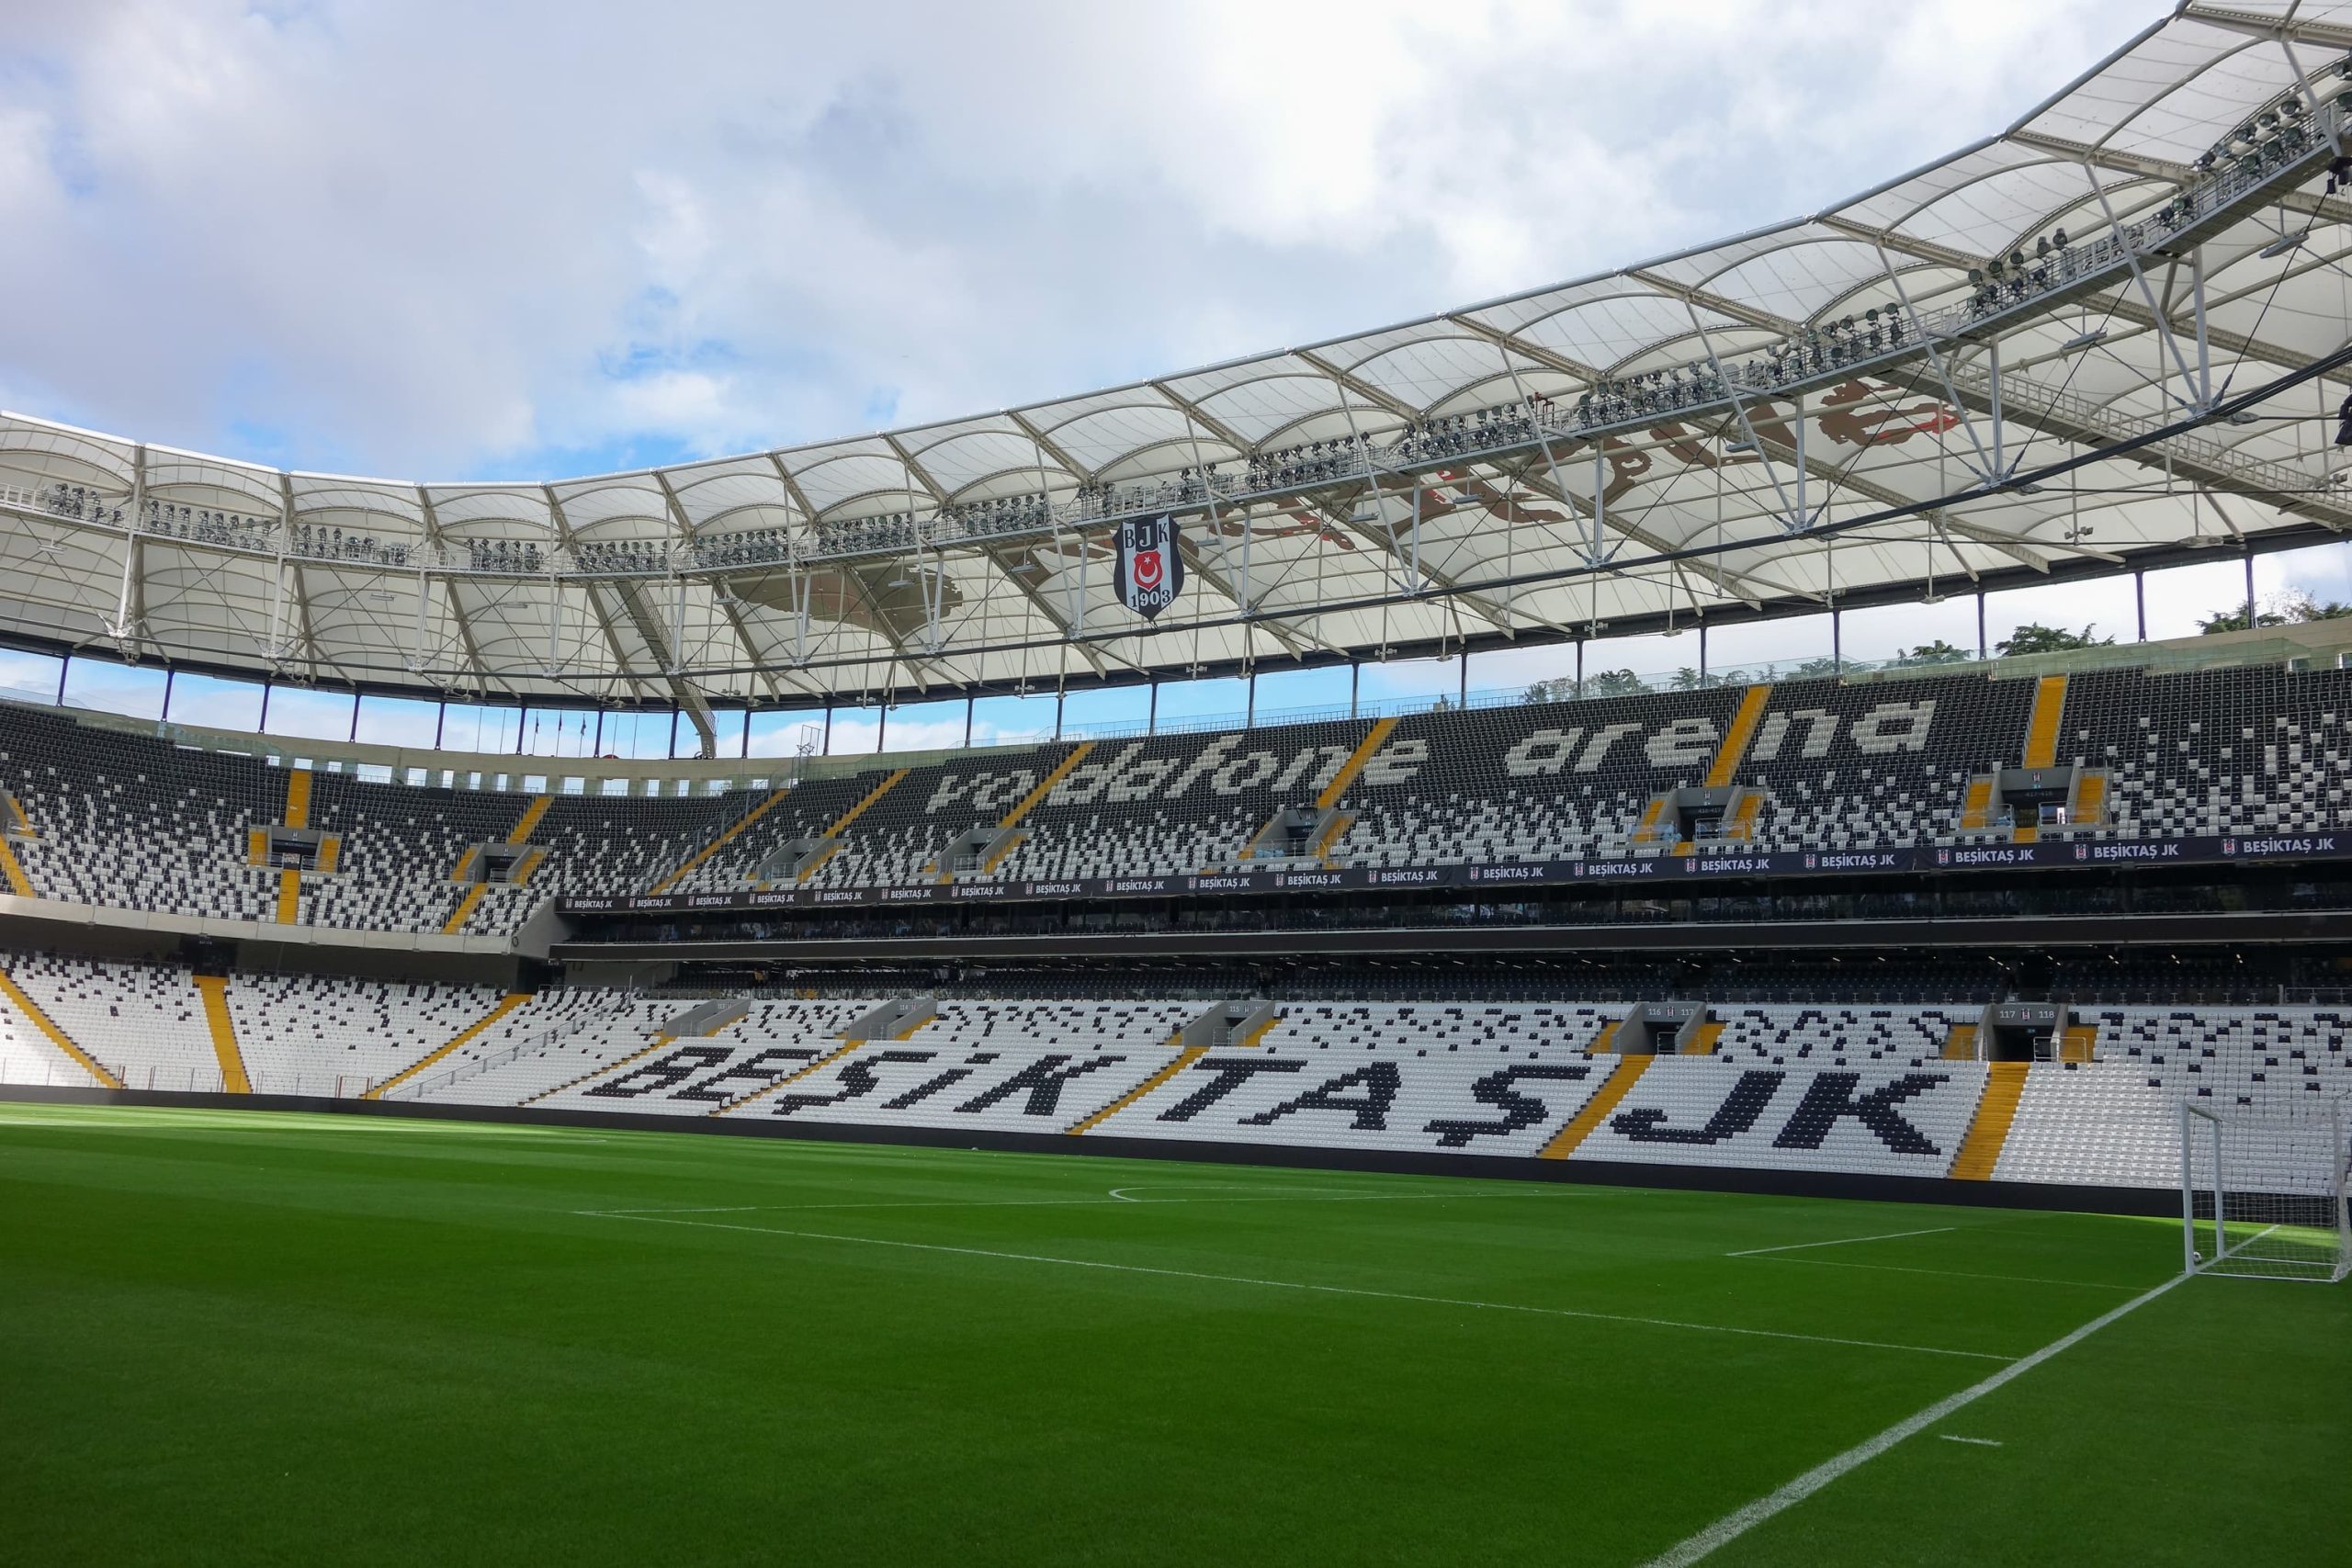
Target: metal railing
(2060, 404)
(546, 1039)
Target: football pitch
(244, 1338)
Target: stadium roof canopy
(1703, 434)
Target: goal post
(2262, 1191)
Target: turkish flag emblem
(1147, 569)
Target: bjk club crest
(1150, 572)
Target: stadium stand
(1859, 1089)
(752, 847)
(145, 1024)
(558, 1037)
(312, 1034)
(2223, 751)
(1863, 1061)
(401, 850)
(1548, 784)
(1178, 803)
(1862, 1087)
(127, 821)
(134, 823)
(593, 844)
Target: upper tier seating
(1541, 783)
(1176, 803)
(601, 844)
(805, 812)
(1885, 762)
(400, 848)
(134, 821)
(2216, 752)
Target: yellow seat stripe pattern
(1184, 1058)
(720, 842)
(1365, 750)
(456, 924)
(56, 1036)
(1981, 1150)
(529, 821)
(215, 991)
(1045, 786)
(1604, 1100)
(1743, 730)
(2049, 712)
(507, 1004)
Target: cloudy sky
(441, 241)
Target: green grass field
(250, 1338)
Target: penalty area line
(1842, 1241)
(1117, 1195)
(1732, 1525)
(1308, 1288)
(1956, 1273)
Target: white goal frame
(2270, 1183)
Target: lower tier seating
(143, 1023)
(1858, 1088)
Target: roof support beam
(1207, 422)
(719, 594)
(2124, 307)
(2328, 35)
(1361, 388)
(1837, 477)
(2021, 403)
(1010, 570)
(1198, 565)
(1052, 449)
(1502, 618)
(1732, 584)
(622, 670)
(451, 604)
(1511, 341)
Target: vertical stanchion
(2187, 1194)
(2220, 1239)
(2343, 1215)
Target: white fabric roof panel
(1505, 531)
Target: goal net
(2262, 1191)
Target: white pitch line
(2232, 1251)
(1313, 1289)
(1842, 1241)
(1301, 1196)
(1732, 1525)
(1950, 1273)
(1973, 1442)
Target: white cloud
(432, 239)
